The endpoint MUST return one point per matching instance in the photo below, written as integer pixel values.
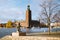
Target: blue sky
(16, 9)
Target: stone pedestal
(22, 34)
(15, 34)
(18, 34)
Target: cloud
(10, 10)
(10, 13)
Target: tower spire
(28, 7)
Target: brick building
(28, 23)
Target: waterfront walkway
(35, 36)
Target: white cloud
(10, 13)
(9, 10)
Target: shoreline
(30, 38)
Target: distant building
(55, 24)
(2, 24)
(29, 22)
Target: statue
(18, 33)
(18, 27)
(19, 30)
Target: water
(8, 31)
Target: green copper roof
(28, 7)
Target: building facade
(28, 23)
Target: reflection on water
(8, 31)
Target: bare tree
(57, 16)
(49, 10)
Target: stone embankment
(29, 38)
(35, 38)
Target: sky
(16, 9)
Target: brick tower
(28, 16)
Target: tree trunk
(49, 24)
(49, 30)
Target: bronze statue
(18, 27)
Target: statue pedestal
(18, 34)
(15, 34)
(22, 34)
